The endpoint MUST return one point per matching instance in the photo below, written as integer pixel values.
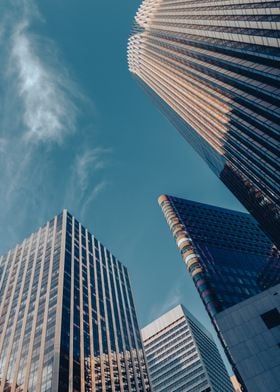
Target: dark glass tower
(213, 69)
(67, 317)
(228, 256)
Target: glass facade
(213, 69)
(67, 317)
(227, 254)
(182, 356)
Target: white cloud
(87, 179)
(48, 111)
(88, 162)
(97, 189)
(39, 109)
(35, 77)
(174, 297)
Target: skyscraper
(182, 356)
(67, 317)
(227, 255)
(213, 69)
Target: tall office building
(67, 317)
(227, 255)
(182, 356)
(213, 69)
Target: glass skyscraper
(182, 356)
(213, 68)
(228, 256)
(67, 317)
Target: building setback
(213, 69)
(67, 317)
(251, 329)
(182, 356)
(227, 255)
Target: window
(271, 318)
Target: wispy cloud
(87, 178)
(46, 92)
(49, 113)
(174, 296)
(97, 189)
(89, 161)
(40, 106)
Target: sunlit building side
(182, 355)
(67, 316)
(213, 69)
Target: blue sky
(78, 132)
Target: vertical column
(128, 327)
(10, 315)
(8, 345)
(91, 326)
(6, 300)
(110, 384)
(55, 378)
(71, 326)
(3, 271)
(100, 310)
(36, 331)
(123, 338)
(76, 311)
(82, 359)
(45, 301)
(20, 326)
(136, 333)
(24, 309)
(115, 349)
(95, 313)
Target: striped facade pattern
(67, 317)
(182, 356)
(213, 68)
(227, 256)
(187, 249)
(216, 242)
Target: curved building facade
(228, 257)
(213, 68)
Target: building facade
(235, 383)
(182, 356)
(251, 330)
(67, 317)
(213, 69)
(228, 256)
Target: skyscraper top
(67, 316)
(213, 70)
(226, 253)
(164, 320)
(182, 356)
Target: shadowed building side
(182, 356)
(228, 257)
(213, 70)
(67, 315)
